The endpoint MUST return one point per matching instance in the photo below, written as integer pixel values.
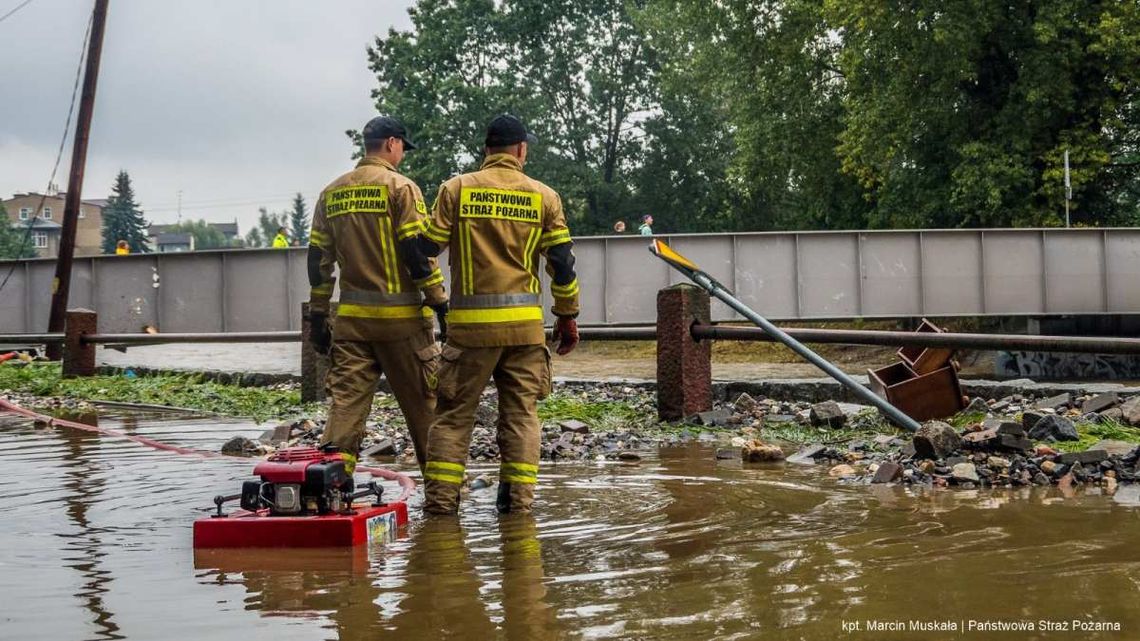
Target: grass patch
(181, 390)
(864, 425)
(1090, 433)
(604, 416)
(963, 419)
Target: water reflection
(84, 550)
(676, 547)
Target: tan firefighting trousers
(522, 377)
(410, 365)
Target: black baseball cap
(507, 130)
(384, 127)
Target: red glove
(566, 333)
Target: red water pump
(299, 480)
(303, 497)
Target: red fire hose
(407, 485)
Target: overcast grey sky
(237, 103)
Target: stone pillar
(684, 366)
(314, 366)
(79, 357)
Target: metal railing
(783, 275)
(994, 342)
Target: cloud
(229, 102)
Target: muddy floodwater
(95, 543)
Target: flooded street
(96, 539)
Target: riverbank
(1033, 436)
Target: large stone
(888, 471)
(935, 440)
(982, 440)
(744, 404)
(241, 446)
(1011, 428)
(1130, 411)
(1100, 402)
(965, 473)
(977, 406)
(1112, 415)
(1087, 457)
(827, 413)
(842, 469)
(756, 451)
(383, 447)
(1054, 402)
(278, 435)
(575, 426)
(1056, 427)
(1114, 447)
(714, 417)
(1014, 443)
(807, 454)
(1029, 419)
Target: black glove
(440, 310)
(319, 336)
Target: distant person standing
(281, 239)
(122, 248)
(646, 228)
(619, 227)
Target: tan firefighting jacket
(497, 222)
(358, 222)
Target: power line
(62, 143)
(18, 7)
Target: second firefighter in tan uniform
(366, 222)
(497, 222)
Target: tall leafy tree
(14, 242)
(580, 73)
(772, 97)
(253, 238)
(122, 218)
(958, 112)
(299, 220)
(206, 236)
(267, 226)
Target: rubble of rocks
(1011, 445)
(1002, 442)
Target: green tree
(267, 226)
(759, 82)
(580, 73)
(122, 218)
(206, 236)
(253, 238)
(299, 220)
(14, 242)
(958, 112)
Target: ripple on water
(96, 531)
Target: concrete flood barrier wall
(783, 275)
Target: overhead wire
(18, 7)
(62, 143)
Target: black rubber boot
(503, 500)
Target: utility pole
(1068, 188)
(61, 284)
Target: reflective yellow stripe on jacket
(353, 310)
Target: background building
(48, 222)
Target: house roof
(101, 203)
(174, 238)
(38, 224)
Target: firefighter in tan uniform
(497, 223)
(366, 223)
